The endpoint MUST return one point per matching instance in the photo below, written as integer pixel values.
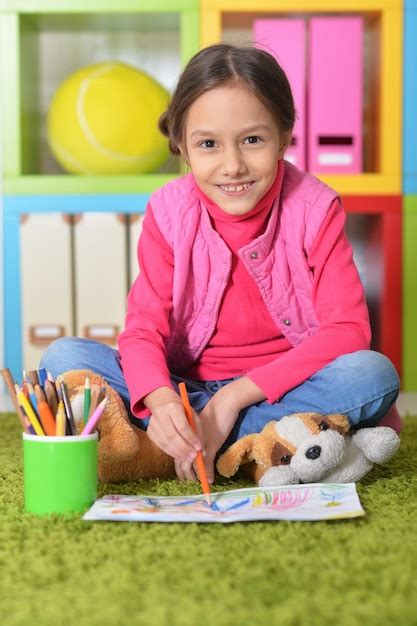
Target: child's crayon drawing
(294, 502)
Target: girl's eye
(210, 143)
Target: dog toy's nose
(313, 452)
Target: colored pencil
(59, 390)
(32, 396)
(25, 388)
(42, 376)
(51, 396)
(87, 399)
(57, 384)
(61, 420)
(201, 470)
(47, 419)
(30, 430)
(92, 422)
(51, 379)
(44, 412)
(32, 376)
(95, 393)
(68, 409)
(39, 393)
(33, 418)
(10, 384)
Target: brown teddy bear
(125, 452)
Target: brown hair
(222, 63)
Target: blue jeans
(363, 385)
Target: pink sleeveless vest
(277, 261)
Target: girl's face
(232, 145)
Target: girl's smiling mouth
(237, 189)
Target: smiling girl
(247, 289)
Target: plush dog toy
(309, 447)
(125, 452)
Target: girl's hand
(170, 431)
(217, 420)
(186, 470)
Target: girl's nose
(233, 163)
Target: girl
(247, 289)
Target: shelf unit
(157, 36)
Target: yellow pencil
(60, 420)
(24, 402)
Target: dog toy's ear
(334, 421)
(256, 453)
(339, 422)
(238, 453)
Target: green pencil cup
(59, 473)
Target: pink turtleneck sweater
(246, 341)
(246, 336)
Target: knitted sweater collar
(264, 203)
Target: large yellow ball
(103, 119)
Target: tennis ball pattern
(103, 119)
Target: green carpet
(65, 571)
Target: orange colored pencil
(201, 470)
(46, 417)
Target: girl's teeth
(235, 187)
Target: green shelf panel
(52, 185)
(10, 101)
(410, 294)
(92, 6)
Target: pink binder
(335, 95)
(285, 39)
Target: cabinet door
(100, 265)
(46, 283)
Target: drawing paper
(310, 502)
